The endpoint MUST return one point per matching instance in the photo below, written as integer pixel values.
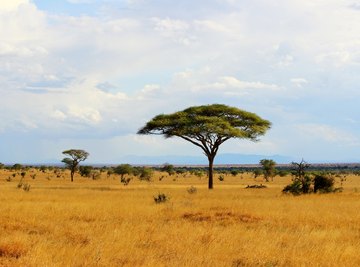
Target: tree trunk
(72, 176)
(211, 163)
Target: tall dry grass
(103, 223)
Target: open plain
(104, 223)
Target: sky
(88, 74)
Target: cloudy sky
(89, 73)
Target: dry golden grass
(103, 223)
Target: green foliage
(234, 172)
(123, 169)
(268, 166)
(323, 184)
(85, 171)
(221, 178)
(257, 172)
(305, 182)
(197, 172)
(208, 127)
(145, 174)
(219, 121)
(281, 173)
(17, 167)
(168, 168)
(43, 168)
(294, 188)
(75, 157)
(301, 180)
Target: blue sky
(88, 74)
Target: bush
(257, 173)
(294, 188)
(168, 168)
(95, 175)
(221, 178)
(161, 198)
(17, 167)
(85, 171)
(301, 179)
(125, 181)
(256, 186)
(323, 184)
(26, 187)
(146, 174)
(192, 190)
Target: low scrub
(161, 198)
(256, 186)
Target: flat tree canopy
(76, 156)
(208, 127)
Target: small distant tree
(2, 166)
(123, 169)
(268, 166)
(43, 168)
(168, 168)
(74, 159)
(17, 167)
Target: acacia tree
(76, 156)
(268, 166)
(208, 127)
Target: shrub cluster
(161, 198)
(305, 183)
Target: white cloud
(299, 82)
(80, 1)
(11, 5)
(106, 74)
(328, 133)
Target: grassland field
(104, 223)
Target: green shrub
(294, 188)
(323, 184)
(85, 171)
(146, 174)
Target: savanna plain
(104, 223)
